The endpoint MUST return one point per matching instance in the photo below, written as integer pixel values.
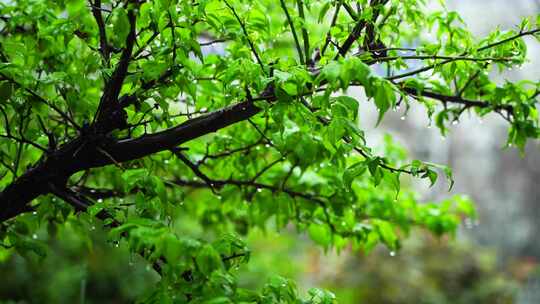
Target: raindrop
(166, 161)
(100, 200)
(34, 212)
(259, 190)
(93, 228)
(267, 145)
(283, 285)
(402, 117)
(322, 165)
(392, 253)
(429, 126)
(34, 236)
(455, 122)
(443, 138)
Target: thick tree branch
(110, 114)
(86, 152)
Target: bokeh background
(491, 260)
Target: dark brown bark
(87, 152)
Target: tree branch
(106, 118)
(293, 31)
(360, 25)
(251, 45)
(455, 99)
(103, 45)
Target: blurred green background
(425, 270)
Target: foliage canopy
(141, 115)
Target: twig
(251, 45)
(293, 31)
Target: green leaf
(353, 172)
(387, 233)
(323, 11)
(133, 176)
(75, 7)
(336, 130)
(321, 234)
(331, 73)
(121, 26)
(321, 296)
(350, 104)
(290, 88)
(375, 170)
(384, 98)
(432, 175)
(208, 260)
